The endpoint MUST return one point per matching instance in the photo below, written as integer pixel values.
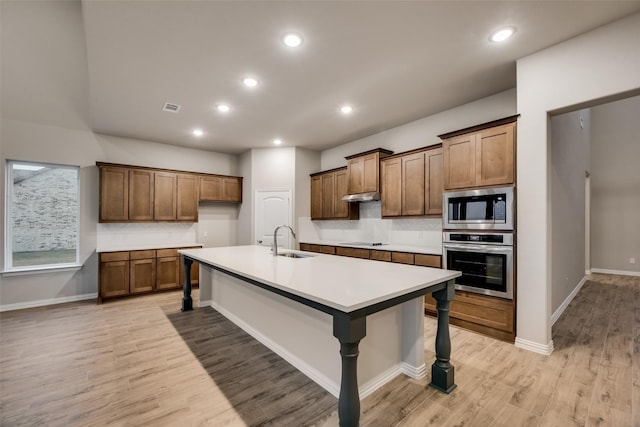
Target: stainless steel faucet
(274, 247)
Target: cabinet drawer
(142, 254)
(380, 255)
(428, 260)
(353, 252)
(305, 247)
(114, 256)
(402, 258)
(162, 253)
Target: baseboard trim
(45, 302)
(414, 372)
(534, 346)
(567, 301)
(618, 272)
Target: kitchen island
(295, 303)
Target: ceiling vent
(172, 108)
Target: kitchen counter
(427, 250)
(142, 247)
(295, 306)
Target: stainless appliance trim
(492, 248)
(480, 224)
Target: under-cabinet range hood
(362, 197)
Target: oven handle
(479, 248)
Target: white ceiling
(394, 61)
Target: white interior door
(273, 208)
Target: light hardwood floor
(140, 361)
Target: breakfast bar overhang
(333, 295)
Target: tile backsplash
(372, 228)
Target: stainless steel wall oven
(485, 260)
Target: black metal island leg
(187, 302)
(349, 332)
(442, 372)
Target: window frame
(8, 219)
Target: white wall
(570, 159)
(425, 131)
(615, 185)
(570, 75)
(285, 168)
(45, 119)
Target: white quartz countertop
(343, 283)
(142, 247)
(427, 250)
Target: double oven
(478, 239)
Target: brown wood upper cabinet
(214, 188)
(114, 193)
(363, 171)
(141, 190)
(327, 190)
(412, 184)
(140, 194)
(483, 157)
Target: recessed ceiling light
(346, 109)
(250, 82)
(277, 141)
(292, 39)
(502, 35)
(223, 108)
(197, 132)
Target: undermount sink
(296, 255)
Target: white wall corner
(415, 372)
(545, 349)
(567, 301)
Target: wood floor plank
(141, 361)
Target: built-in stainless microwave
(479, 209)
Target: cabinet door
(141, 184)
(340, 208)
(433, 182)
(494, 155)
(168, 273)
(355, 169)
(114, 279)
(413, 184)
(210, 188)
(459, 162)
(142, 276)
(391, 178)
(187, 197)
(316, 197)
(164, 203)
(114, 194)
(328, 182)
(232, 189)
(371, 171)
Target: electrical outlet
(205, 234)
(632, 260)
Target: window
(42, 215)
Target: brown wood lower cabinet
(487, 315)
(142, 271)
(484, 314)
(136, 272)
